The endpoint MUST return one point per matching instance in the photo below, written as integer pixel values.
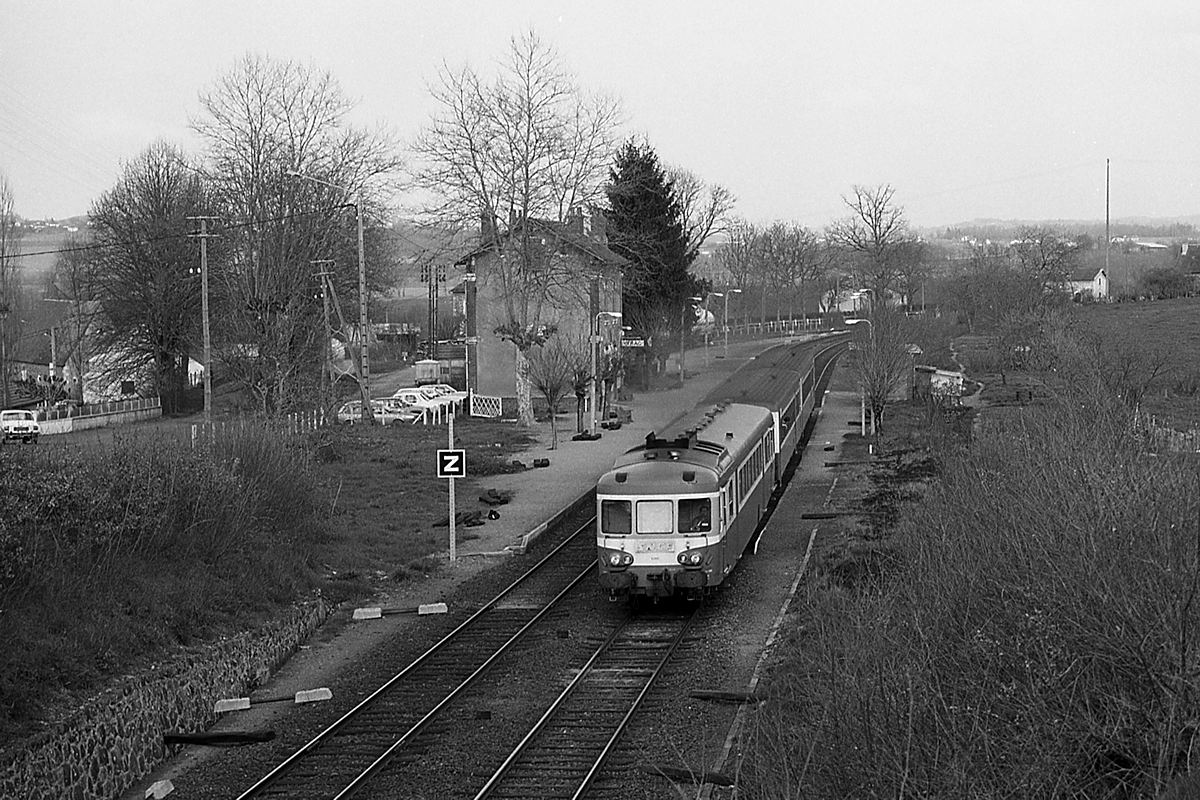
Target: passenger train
(674, 515)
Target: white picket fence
(293, 424)
(1164, 437)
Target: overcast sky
(969, 109)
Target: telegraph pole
(326, 362)
(368, 415)
(204, 236)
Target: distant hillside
(1182, 227)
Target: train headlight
(616, 559)
(691, 558)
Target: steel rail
(585, 672)
(366, 774)
(263, 783)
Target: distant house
(1088, 283)
(586, 283)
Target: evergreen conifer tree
(646, 226)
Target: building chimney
(487, 227)
(599, 227)
(575, 221)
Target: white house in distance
(1088, 283)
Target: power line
(168, 237)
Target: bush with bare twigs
(112, 553)
(1033, 635)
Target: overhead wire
(167, 237)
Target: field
(122, 550)
(1017, 618)
(1166, 331)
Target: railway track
(344, 756)
(565, 750)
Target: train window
(654, 516)
(695, 515)
(616, 516)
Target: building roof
(1085, 273)
(563, 232)
(36, 320)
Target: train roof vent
(728, 435)
(689, 476)
(621, 477)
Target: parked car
(384, 412)
(422, 397)
(446, 390)
(20, 424)
(434, 405)
(395, 407)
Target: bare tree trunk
(524, 395)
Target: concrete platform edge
(523, 543)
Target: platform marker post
(452, 464)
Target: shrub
(112, 552)
(1036, 640)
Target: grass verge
(1028, 630)
(114, 554)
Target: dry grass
(114, 553)
(1028, 630)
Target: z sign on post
(452, 463)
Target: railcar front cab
(664, 540)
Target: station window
(616, 516)
(654, 516)
(695, 515)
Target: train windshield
(695, 515)
(655, 516)
(616, 516)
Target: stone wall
(116, 738)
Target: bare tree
(555, 370)
(1044, 261)
(263, 122)
(705, 208)
(913, 269)
(736, 254)
(140, 274)
(882, 361)
(791, 262)
(527, 144)
(74, 282)
(871, 235)
(10, 295)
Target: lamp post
(725, 315)
(4, 309)
(862, 389)
(356, 200)
(594, 348)
(704, 299)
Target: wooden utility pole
(368, 415)
(204, 236)
(326, 359)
